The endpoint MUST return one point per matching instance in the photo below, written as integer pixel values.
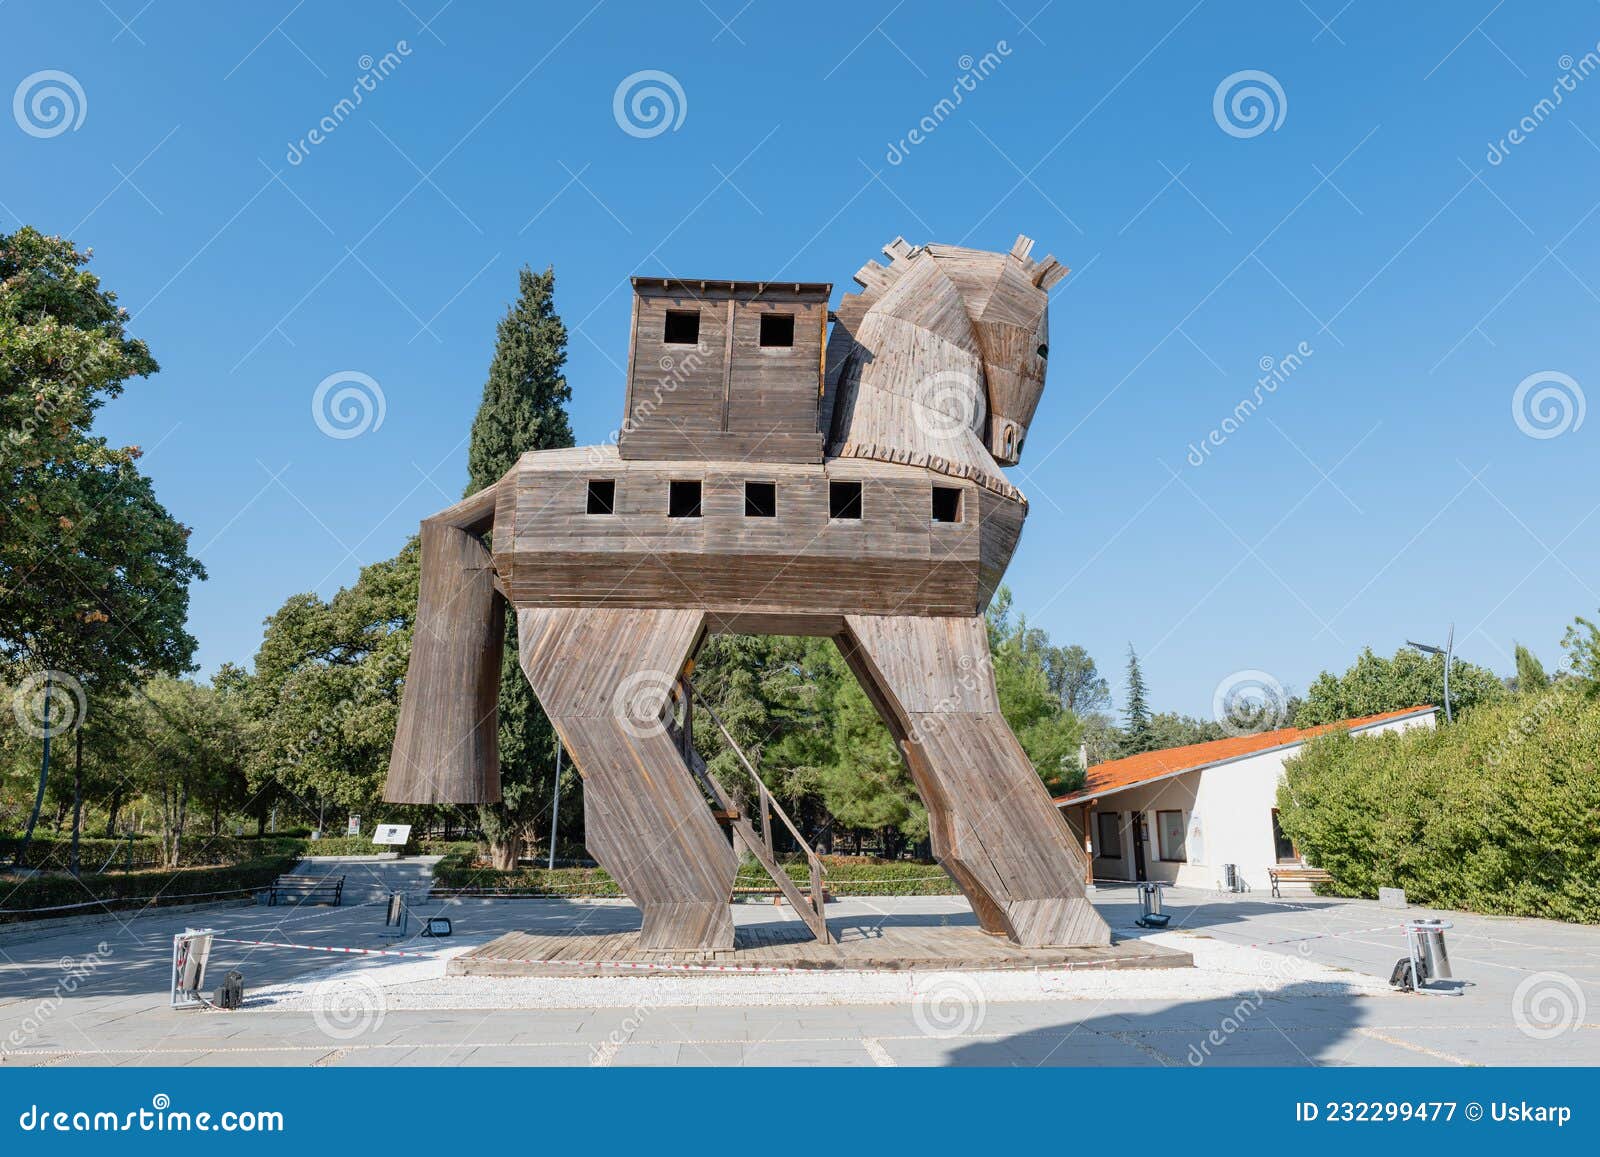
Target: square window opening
(682, 327)
(683, 498)
(777, 330)
(947, 504)
(602, 496)
(844, 500)
(761, 500)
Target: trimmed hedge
(53, 853)
(846, 876)
(24, 898)
(1499, 813)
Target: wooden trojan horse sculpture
(768, 478)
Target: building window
(760, 499)
(777, 330)
(1283, 846)
(844, 500)
(602, 496)
(682, 327)
(1107, 836)
(1169, 837)
(683, 499)
(947, 504)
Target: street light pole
(1448, 651)
(555, 808)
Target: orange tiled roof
(1134, 769)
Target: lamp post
(1446, 651)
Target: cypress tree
(1530, 672)
(524, 408)
(1138, 735)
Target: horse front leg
(603, 677)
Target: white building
(1182, 813)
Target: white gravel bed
(1221, 970)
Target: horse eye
(1044, 353)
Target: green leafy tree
(1530, 672)
(323, 699)
(1138, 732)
(187, 753)
(94, 572)
(1373, 685)
(1582, 643)
(524, 408)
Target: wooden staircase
(807, 903)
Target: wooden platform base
(789, 945)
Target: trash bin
(1151, 915)
(1429, 949)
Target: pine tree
(1138, 735)
(1530, 672)
(524, 408)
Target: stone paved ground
(1262, 995)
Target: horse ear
(1021, 247)
(1047, 273)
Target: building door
(1137, 827)
(1283, 846)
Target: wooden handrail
(766, 797)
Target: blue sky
(1384, 489)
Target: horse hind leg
(993, 825)
(602, 676)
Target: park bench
(307, 890)
(1296, 875)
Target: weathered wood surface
(447, 739)
(991, 822)
(604, 678)
(857, 945)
